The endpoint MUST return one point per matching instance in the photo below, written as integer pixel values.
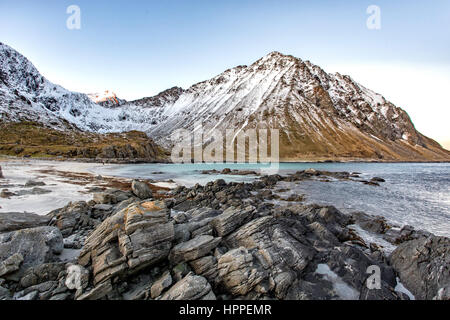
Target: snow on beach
(63, 189)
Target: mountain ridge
(319, 115)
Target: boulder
(423, 266)
(11, 221)
(72, 218)
(99, 292)
(41, 273)
(161, 284)
(34, 183)
(374, 224)
(111, 196)
(191, 287)
(193, 249)
(136, 237)
(36, 245)
(206, 267)
(238, 273)
(141, 189)
(231, 219)
(11, 264)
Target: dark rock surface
(218, 241)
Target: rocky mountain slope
(319, 115)
(106, 99)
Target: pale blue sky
(139, 48)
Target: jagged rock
(5, 294)
(180, 270)
(423, 266)
(34, 183)
(6, 194)
(99, 292)
(238, 273)
(11, 264)
(281, 242)
(11, 221)
(41, 273)
(231, 219)
(384, 293)
(161, 284)
(111, 196)
(374, 224)
(72, 217)
(136, 237)
(141, 189)
(36, 245)
(193, 249)
(191, 287)
(206, 267)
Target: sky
(139, 48)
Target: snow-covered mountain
(319, 115)
(106, 99)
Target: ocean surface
(417, 194)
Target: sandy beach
(58, 183)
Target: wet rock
(374, 224)
(33, 191)
(11, 221)
(191, 287)
(193, 249)
(141, 189)
(34, 183)
(36, 245)
(423, 266)
(136, 237)
(6, 194)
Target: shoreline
(4, 158)
(207, 228)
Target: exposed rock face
(11, 221)
(11, 264)
(141, 189)
(230, 219)
(36, 245)
(424, 266)
(134, 238)
(228, 243)
(319, 115)
(72, 218)
(238, 272)
(161, 284)
(191, 287)
(193, 249)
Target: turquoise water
(414, 193)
